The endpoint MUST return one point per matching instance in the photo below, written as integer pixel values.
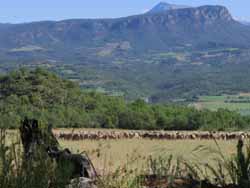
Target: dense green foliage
(42, 95)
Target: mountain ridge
(95, 32)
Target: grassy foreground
(119, 152)
(134, 164)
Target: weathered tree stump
(81, 164)
(34, 138)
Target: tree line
(42, 95)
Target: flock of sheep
(75, 135)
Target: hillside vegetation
(173, 53)
(42, 95)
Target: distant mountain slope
(163, 6)
(174, 54)
(194, 28)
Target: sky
(19, 11)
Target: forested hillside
(171, 53)
(42, 95)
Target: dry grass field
(129, 158)
(110, 155)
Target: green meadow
(239, 103)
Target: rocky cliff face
(202, 15)
(212, 13)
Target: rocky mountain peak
(163, 7)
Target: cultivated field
(239, 103)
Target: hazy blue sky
(34, 10)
